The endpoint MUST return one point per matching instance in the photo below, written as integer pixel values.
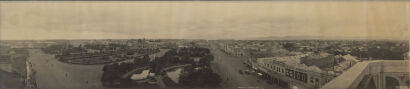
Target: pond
(175, 74)
(143, 75)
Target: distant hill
(318, 38)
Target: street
(53, 74)
(227, 67)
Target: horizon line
(195, 39)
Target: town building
(290, 73)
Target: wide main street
(228, 67)
(53, 74)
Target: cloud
(201, 20)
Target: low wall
(351, 78)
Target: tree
(206, 60)
(289, 46)
(110, 74)
(130, 53)
(145, 59)
(80, 46)
(186, 60)
(202, 78)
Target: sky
(202, 20)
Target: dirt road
(228, 67)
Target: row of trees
(66, 49)
(203, 78)
(182, 56)
(190, 52)
(110, 46)
(113, 72)
(56, 48)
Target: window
(297, 75)
(291, 73)
(287, 72)
(311, 79)
(304, 77)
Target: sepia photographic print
(204, 44)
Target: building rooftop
(293, 61)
